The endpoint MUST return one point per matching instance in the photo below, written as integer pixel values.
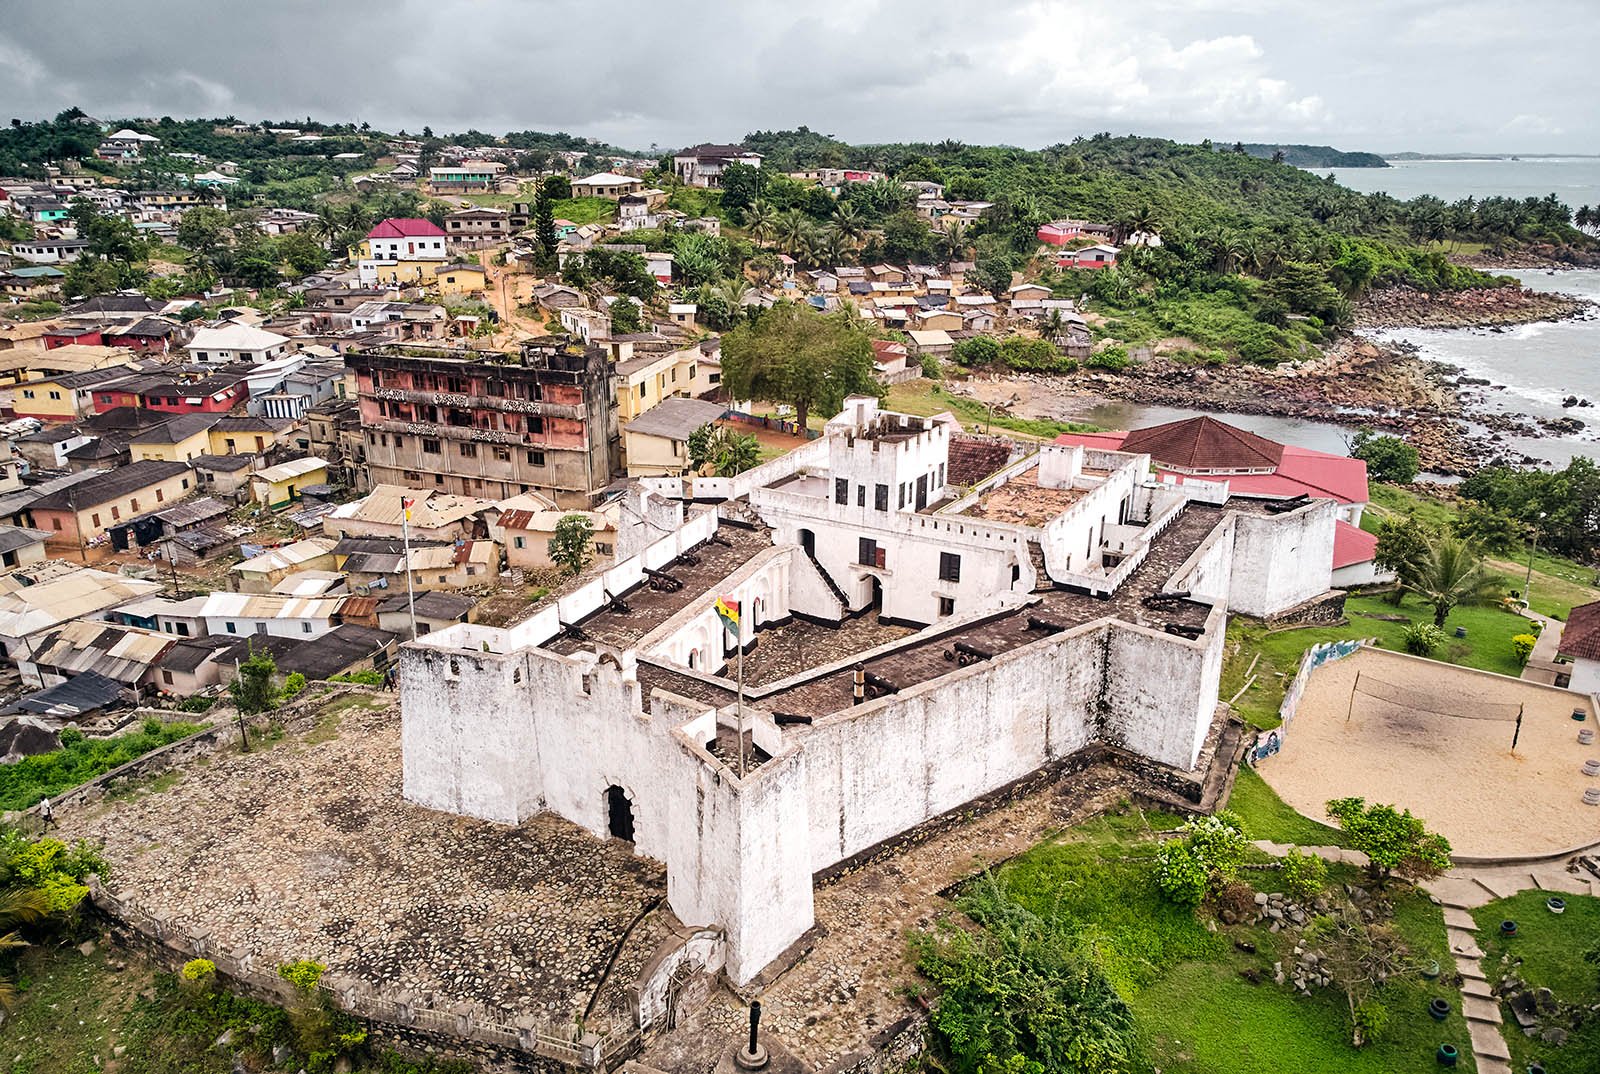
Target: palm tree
(791, 229)
(831, 244)
(952, 238)
(1054, 327)
(19, 906)
(357, 218)
(1142, 221)
(847, 219)
(763, 222)
(1451, 572)
(327, 224)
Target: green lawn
(1197, 1013)
(1487, 647)
(585, 210)
(1547, 952)
(1266, 816)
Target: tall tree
(794, 356)
(1451, 573)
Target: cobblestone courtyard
(305, 849)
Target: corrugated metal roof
(288, 556)
(30, 609)
(430, 510)
(293, 468)
(270, 606)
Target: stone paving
(306, 849)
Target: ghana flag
(728, 612)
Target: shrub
(1521, 647)
(1370, 1018)
(304, 974)
(365, 677)
(293, 685)
(1395, 842)
(1110, 358)
(70, 736)
(1421, 639)
(1180, 874)
(196, 704)
(198, 969)
(1219, 840)
(1304, 875)
(930, 367)
(152, 725)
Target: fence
(776, 424)
(1270, 742)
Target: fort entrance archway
(619, 813)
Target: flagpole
(738, 640)
(405, 537)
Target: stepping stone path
(1466, 889)
(1461, 891)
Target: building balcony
(537, 407)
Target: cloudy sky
(1384, 75)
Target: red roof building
(1206, 449)
(406, 228)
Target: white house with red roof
(401, 250)
(1205, 449)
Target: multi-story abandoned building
(490, 425)
(918, 633)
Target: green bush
(293, 685)
(1304, 875)
(304, 974)
(198, 969)
(1110, 358)
(1180, 874)
(196, 704)
(70, 736)
(365, 677)
(1521, 647)
(45, 775)
(1421, 639)
(1370, 1018)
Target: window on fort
(947, 606)
(602, 549)
(949, 567)
(880, 497)
(160, 496)
(861, 495)
(430, 446)
(867, 552)
(438, 479)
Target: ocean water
(1532, 367)
(1574, 180)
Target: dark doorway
(808, 542)
(877, 594)
(922, 492)
(619, 813)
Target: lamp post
(1527, 582)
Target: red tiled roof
(888, 348)
(971, 459)
(1298, 470)
(1580, 638)
(406, 228)
(1203, 443)
(1352, 544)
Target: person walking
(46, 812)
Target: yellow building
(643, 382)
(246, 435)
(656, 443)
(460, 279)
(179, 440)
(63, 396)
(279, 486)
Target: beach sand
(1458, 774)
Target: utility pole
(1527, 582)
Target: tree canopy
(791, 355)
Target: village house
(401, 250)
(702, 165)
(606, 185)
(126, 655)
(434, 566)
(1097, 256)
(156, 528)
(236, 342)
(182, 439)
(472, 229)
(67, 397)
(235, 433)
(468, 177)
(247, 614)
(526, 534)
(432, 609)
(31, 282)
(79, 514)
(656, 443)
(260, 574)
(645, 380)
(279, 486)
(50, 251)
(21, 545)
(44, 596)
(435, 516)
(225, 475)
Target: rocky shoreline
(1542, 255)
(1479, 307)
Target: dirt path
(505, 291)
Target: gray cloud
(1403, 74)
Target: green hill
(1316, 156)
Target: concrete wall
(1281, 560)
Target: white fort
(997, 620)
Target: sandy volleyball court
(1459, 775)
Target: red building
(213, 395)
(66, 335)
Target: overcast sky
(1383, 75)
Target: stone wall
(1328, 608)
(889, 1051)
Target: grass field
(1547, 952)
(1557, 583)
(1185, 983)
(1487, 647)
(1266, 816)
(925, 397)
